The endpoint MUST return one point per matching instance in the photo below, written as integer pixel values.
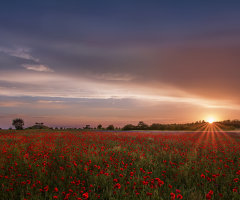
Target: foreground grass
(119, 165)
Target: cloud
(12, 116)
(13, 104)
(37, 67)
(112, 76)
(21, 52)
(50, 101)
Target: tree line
(198, 125)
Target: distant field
(62, 164)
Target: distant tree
(173, 127)
(10, 128)
(157, 126)
(142, 126)
(61, 127)
(36, 123)
(41, 123)
(129, 127)
(51, 127)
(203, 121)
(18, 123)
(178, 127)
(110, 127)
(99, 126)
(56, 127)
(94, 127)
(0, 128)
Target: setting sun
(210, 120)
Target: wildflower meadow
(57, 164)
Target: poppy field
(119, 165)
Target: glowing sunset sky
(72, 63)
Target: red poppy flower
(208, 196)
(85, 195)
(172, 195)
(210, 192)
(203, 176)
(236, 180)
(118, 185)
(149, 194)
(179, 196)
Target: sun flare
(210, 120)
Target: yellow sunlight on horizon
(210, 120)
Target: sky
(76, 63)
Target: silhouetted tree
(110, 127)
(129, 127)
(99, 126)
(18, 123)
(157, 126)
(142, 126)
